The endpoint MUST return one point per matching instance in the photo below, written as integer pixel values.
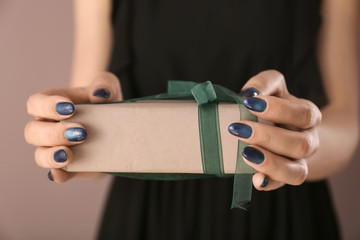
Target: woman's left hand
(278, 154)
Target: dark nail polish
(102, 92)
(50, 177)
(253, 155)
(264, 183)
(75, 134)
(255, 104)
(249, 92)
(60, 156)
(240, 130)
(64, 108)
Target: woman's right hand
(53, 138)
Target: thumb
(57, 103)
(105, 88)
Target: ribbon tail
(242, 191)
(243, 173)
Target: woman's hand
(53, 138)
(277, 154)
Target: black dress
(227, 42)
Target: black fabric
(227, 42)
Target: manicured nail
(249, 92)
(50, 177)
(75, 134)
(102, 92)
(255, 104)
(240, 130)
(253, 155)
(60, 156)
(264, 183)
(64, 108)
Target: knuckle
(37, 156)
(279, 75)
(43, 157)
(310, 115)
(305, 145)
(27, 131)
(276, 81)
(29, 104)
(319, 119)
(317, 145)
(257, 81)
(282, 84)
(276, 76)
(302, 173)
(315, 142)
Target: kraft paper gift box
(178, 135)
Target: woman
(310, 48)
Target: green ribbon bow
(208, 96)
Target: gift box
(181, 134)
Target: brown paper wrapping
(148, 137)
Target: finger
(61, 176)
(263, 183)
(49, 134)
(53, 157)
(292, 144)
(58, 103)
(269, 82)
(54, 107)
(105, 88)
(278, 168)
(297, 112)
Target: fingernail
(50, 177)
(64, 108)
(249, 92)
(253, 155)
(60, 156)
(75, 134)
(264, 183)
(240, 130)
(102, 92)
(255, 104)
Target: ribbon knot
(207, 96)
(204, 93)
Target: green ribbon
(208, 96)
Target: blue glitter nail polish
(240, 130)
(255, 104)
(249, 92)
(75, 134)
(49, 176)
(102, 92)
(60, 156)
(253, 155)
(64, 108)
(264, 183)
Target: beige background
(35, 54)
